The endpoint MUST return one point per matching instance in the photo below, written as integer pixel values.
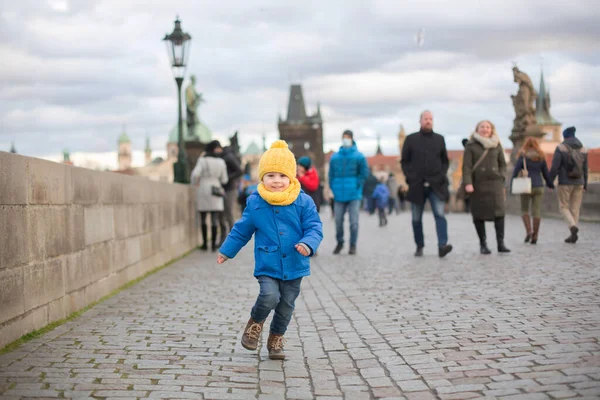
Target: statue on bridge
(525, 123)
(192, 100)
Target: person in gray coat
(209, 174)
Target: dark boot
(480, 228)
(352, 250)
(536, 230)
(444, 250)
(574, 237)
(338, 248)
(204, 229)
(499, 225)
(528, 231)
(275, 346)
(213, 237)
(251, 334)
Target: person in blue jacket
(348, 170)
(287, 230)
(381, 197)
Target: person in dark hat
(348, 170)
(570, 164)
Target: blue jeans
(276, 295)
(441, 226)
(353, 208)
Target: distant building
(302, 132)
(124, 155)
(250, 159)
(547, 124)
(148, 151)
(67, 157)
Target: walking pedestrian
(287, 230)
(234, 172)
(484, 172)
(425, 165)
(209, 174)
(370, 183)
(460, 195)
(402, 197)
(570, 164)
(381, 197)
(309, 180)
(532, 159)
(347, 173)
(392, 185)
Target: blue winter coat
(277, 230)
(381, 195)
(348, 170)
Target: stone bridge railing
(69, 236)
(590, 207)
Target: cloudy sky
(73, 72)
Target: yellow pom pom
(279, 144)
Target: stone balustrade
(69, 236)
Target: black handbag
(217, 191)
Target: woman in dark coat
(531, 158)
(485, 184)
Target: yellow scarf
(285, 198)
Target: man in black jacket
(425, 165)
(234, 172)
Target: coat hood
(573, 143)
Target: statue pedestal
(518, 139)
(193, 150)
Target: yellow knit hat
(278, 158)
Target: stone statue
(192, 101)
(525, 123)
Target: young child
(287, 231)
(381, 195)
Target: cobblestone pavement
(381, 324)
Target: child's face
(276, 182)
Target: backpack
(575, 160)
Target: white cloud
(75, 71)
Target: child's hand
(302, 250)
(221, 259)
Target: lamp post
(178, 43)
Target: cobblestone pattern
(381, 324)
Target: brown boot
(536, 230)
(275, 347)
(251, 334)
(527, 222)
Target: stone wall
(590, 207)
(69, 236)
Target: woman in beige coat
(208, 176)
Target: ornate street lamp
(178, 43)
